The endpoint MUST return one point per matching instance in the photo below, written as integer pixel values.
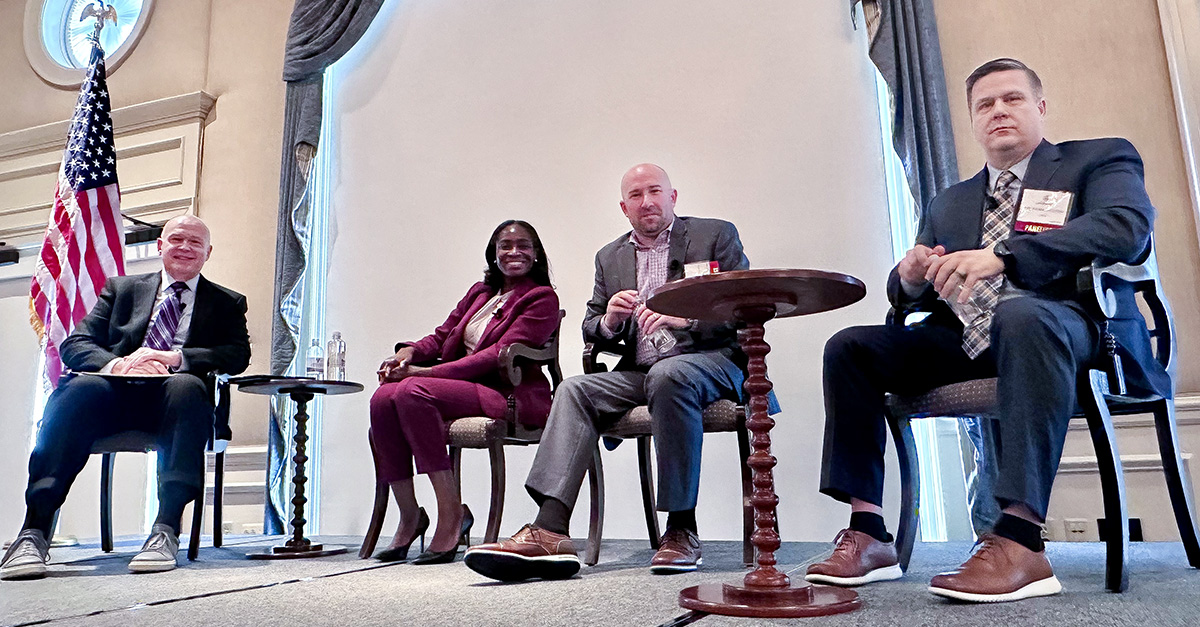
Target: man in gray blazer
(673, 365)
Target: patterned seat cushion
(719, 417)
(969, 398)
(476, 431)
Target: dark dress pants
(86, 408)
(1038, 346)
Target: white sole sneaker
(151, 566)
(887, 573)
(1041, 588)
(35, 570)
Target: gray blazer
(692, 240)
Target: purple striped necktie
(165, 321)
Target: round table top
(716, 297)
(270, 385)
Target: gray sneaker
(27, 557)
(158, 553)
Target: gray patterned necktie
(976, 315)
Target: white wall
(454, 115)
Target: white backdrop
(453, 115)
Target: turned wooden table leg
(767, 592)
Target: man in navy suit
(175, 324)
(995, 262)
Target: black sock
(170, 511)
(1027, 534)
(682, 519)
(35, 518)
(871, 524)
(554, 516)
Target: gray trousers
(676, 391)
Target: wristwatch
(1001, 250)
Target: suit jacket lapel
(145, 292)
(454, 342)
(1042, 166)
(625, 266)
(201, 308)
(972, 222)
(678, 251)
(506, 314)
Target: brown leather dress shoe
(857, 559)
(999, 570)
(532, 553)
(678, 552)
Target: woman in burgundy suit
(415, 401)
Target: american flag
(84, 242)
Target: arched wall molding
(58, 75)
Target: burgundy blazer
(530, 317)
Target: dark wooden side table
(301, 390)
(753, 297)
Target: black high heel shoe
(445, 557)
(400, 553)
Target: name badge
(1043, 210)
(700, 268)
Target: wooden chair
(144, 442)
(721, 416)
(482, 432)
(1098, 402)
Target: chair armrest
(507, 359)
(221, 430)
(591, 354)
(898, 316)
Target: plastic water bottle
(335, 360)
(314, 363)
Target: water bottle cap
(337, 335)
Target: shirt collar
(167, 280)
(1018, 169)
(663, 238)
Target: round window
(57, 34)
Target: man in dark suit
(174, 324)
(673, 365)
(995, 262)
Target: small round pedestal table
(301, 390)
(753, 297)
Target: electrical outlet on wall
(251, 529)
(1075, 526)
(227, 528)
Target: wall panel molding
(158, 163)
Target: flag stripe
(84, 242)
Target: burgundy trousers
(409, 421)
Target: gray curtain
(904, 46)
(320, 32)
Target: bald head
(185, 245)
(648, 200)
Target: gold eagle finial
(101, 11)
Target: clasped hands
(954, 275)
(147, 361)
(399, 366)
(627, 303)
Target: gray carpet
(89, 588)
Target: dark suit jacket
(116, 326)
(530, 317)
(1110, 221)
(692, 239)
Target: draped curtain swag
(904, 46)
(320, 32)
